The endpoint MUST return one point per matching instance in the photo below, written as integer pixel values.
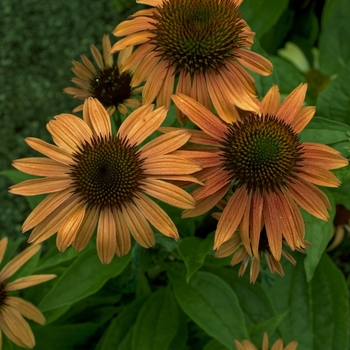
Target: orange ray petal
(183, 87)
(25, 308)
(53, 222)
(165, 144)
(131, 40)
(41, 186)
(221, 98)
(97, 117)
(246, 80)
(16, 328)
(310, 198)
(136, 57)
(123, 241)
(170, 165)
(106, 241)
(144, 69)
(303, 118)
(50, 151)
(97, 56)
(134, 25)
(86, 229)
(3, 246)
(199, 90)
(199, 115)
(256, 218)
(205, 204)
(106, 46)
(254, 62)
(323, 158)
(45, 208)
(243, 227)
(292, 104)
(155, 81)
(272, 101)
(132, 119)
(146, 125)
(40, 166)
(273, 223)
(67, 232)
(163, 97)
(168, 193)
(156, 216)
(29, 281)
(231, 216)
(318, 175)
(17, 262)
(138, 226)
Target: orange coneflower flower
(278, 345)
(12, 309)
(98, 179)
(106, 82)
(270, 170)
(203, 43)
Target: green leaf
(210, 303)
(334, 101)
(66, 337)
(193, 251)
(318, 311)
(84, 277)
(180, 340)
(116, 333)
(261, 15)
(214, 345)
(318, 232)
(143, 289)
(252, 298)
(269, 326)
(157, 322)
(335, 36)
(53, 257)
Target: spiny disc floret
(107, 172)
(110, 86)
(198, 35)
(262, 152)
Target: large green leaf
(84, 277)
(261, 15)
(210, 303)
(252, 298)
(334, 101)
(334, 42)
(318, 311)
(318, 232)
(116, 333)
(157, 322)
(193, 251)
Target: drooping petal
(183, 87)
(3, 246)
(123, 241)
(136, 57)
(131, 40)
(167, 88)
(138, 226)
(256, 217)
(106, 236)
(231, 216)
(144, 68)
(86, 229)
(254, 62)
(134, 25)
(156, 216)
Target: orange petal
(303, 118)
(231, 216)
(123, 241)
(144, 68)
(272, 101)
(132, 40)
(254, 62)
(106, 236)
(292, 104)
(40, 166)
(199, 115)
(163, 96)
(138, 226)
(134, 25)
(156, 216)
(136, 57)
(183, 87)
(96, 116)
(256, 217)
(26, 282)
(318, 176)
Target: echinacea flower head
(269, 170)
(95, 178)
(278, 345)
(203, 43)
(13, 309)
(104, 80)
